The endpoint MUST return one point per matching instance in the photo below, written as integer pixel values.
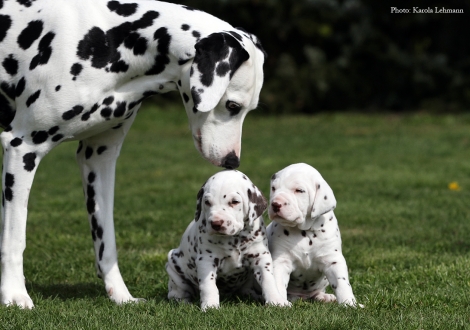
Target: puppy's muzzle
(217, 225)
(276, 207)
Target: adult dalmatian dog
(304, 237)
(225, 247)
(79, 70)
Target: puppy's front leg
(207, 275)
(264, 275)
(282, 268)
(337, 274)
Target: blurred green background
(337, 55)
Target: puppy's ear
(324, 201)
(199, 203)
(217, 58)
(257, 204)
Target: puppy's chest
(232, 271)
(309, 247)
(309, 257)
(234, 253)
(237, 255)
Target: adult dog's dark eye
(273, 189)
(207, 203)
(235, 202)
(233, 107)
(300, 191)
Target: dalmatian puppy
(304, 237)
(225, 247)
(79, 70)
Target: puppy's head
(299, 195)
(227, 203)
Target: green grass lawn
(406, 235)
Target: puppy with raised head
(225, 247)
(304, 237)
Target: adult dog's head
(299, 195)
(219, 87)
(227, 203)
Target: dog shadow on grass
(64, 292)
(67, 291)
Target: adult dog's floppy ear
(324, 200)
(257, 204)
(217, 58)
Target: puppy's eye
(233, 107)
(207, 203)
(273, 189)
(300, 191)
(233, 203)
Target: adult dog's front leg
(97, 158)
(20, 161)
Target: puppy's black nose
(231, 161)
(217, 224)
(276, 206)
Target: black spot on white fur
(5, 24)
(30, 34)
(26, 3)
(125, 9)
(39, 137)
(20, 87)
(100, 47)
(16, 142)
(29, 161)
(32, 98)
(75, 70)
(10, 64)
(100, 255)
(44, 51)
(163, 48)
(101, 149)
(75, 111)
(9, 182)
(214, 49)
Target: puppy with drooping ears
(304, 237)
(225, 247)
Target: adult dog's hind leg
(97, 158)
(21, 157)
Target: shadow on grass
(94, 291)
(68, 291)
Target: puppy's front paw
(352, 303)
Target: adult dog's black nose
(231, 161)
